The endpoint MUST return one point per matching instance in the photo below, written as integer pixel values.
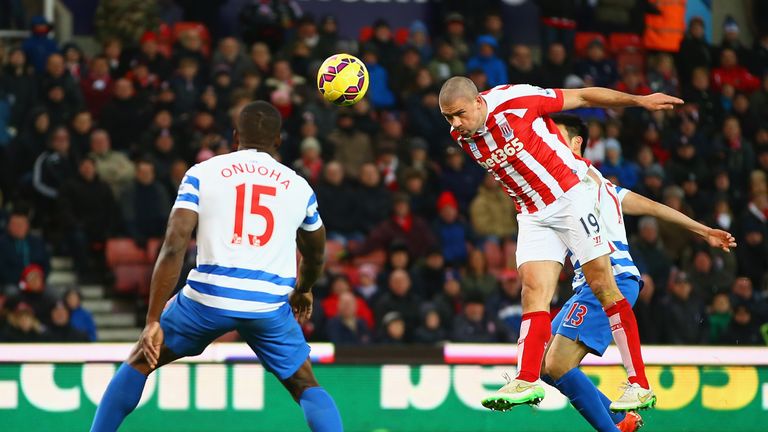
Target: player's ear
(235, 138)
(278, 141)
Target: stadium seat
(132, 278)
(199, 28)
(583, 39)
(366, 33)
(153, 249)
(401, 36)
(621, 42)
(124, 251)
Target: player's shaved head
(462, 106)
(457, 88)
(258, 126)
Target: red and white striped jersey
(523, 148)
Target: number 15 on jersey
(257, 208)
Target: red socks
(535, 331)
(627, 338)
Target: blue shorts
(276, 339)
(583, 319)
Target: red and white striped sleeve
(538, 100)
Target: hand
(659, 101)
(151, 340)
(301, 303)
(720, 239)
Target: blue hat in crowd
(487, 40)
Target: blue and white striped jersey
(249, 207)
(613, 230)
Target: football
(342, 79)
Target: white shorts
(571, 223)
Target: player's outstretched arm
(607, 98)
(181, 223)
(638, 205)
(312, 247)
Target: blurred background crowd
(421, 240)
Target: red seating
(366, 33)
(401, 36)
(124, 251)
(622, 42)
(132, 278)
(583, 39)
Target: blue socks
(320, 411)
(592, 404)
(120, 398)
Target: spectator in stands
(145, 205)
(454, 33)
(19, 81)
(373, 201)
(743, 329)
(425, 119)
(431, 330)
(676, 242)
(33, 292)
(686, 162)
(706, 101)
(229, 54)
(187, 85)
(683, 314)
(653, 182)
(461, 178)
(476, 279)
(732, 41)
(379, 90)
(732, 73)
(663, 77)
(719, 317)
(310, 165)
(163, 153)
(125, 117)
(450, 300)
(647, 310)
(555, 67)
(347, 328)
(471, 325)
(29, 145)
(734, 152)
(332, 304)
(626, 173)
(394, 329)
(504, 305)
(492, 212)
(403, 226)
(335, 197)
(522, 69)
(446, 63)
(418, 38)
(695, 52)
(633, 82)
(450, 230)
(260, 60)
(398, 298)
(59, 110)
(398, 259)
(351, 147)
(743, 293)
(328, 37)
(422, 200)
(22, 326)
(60, 329)
(597, 69)
(150, 55)
(647, 247)
(80, 129)
(52, 169)
(708, 276)
(430, 272)
(748, 118)
(488, 61)
(753, 242)
(55, 76)
(405, 71)
(86, 208)
(113, 167)
(97, 85)
(367, 286)
(38, 47)
(74, 61)
(79, 318)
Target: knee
(555, 369)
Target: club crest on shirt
(506, 131)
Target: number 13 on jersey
(257, 208)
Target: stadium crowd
(421, 240)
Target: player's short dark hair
(259, 125)
(574, 125)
